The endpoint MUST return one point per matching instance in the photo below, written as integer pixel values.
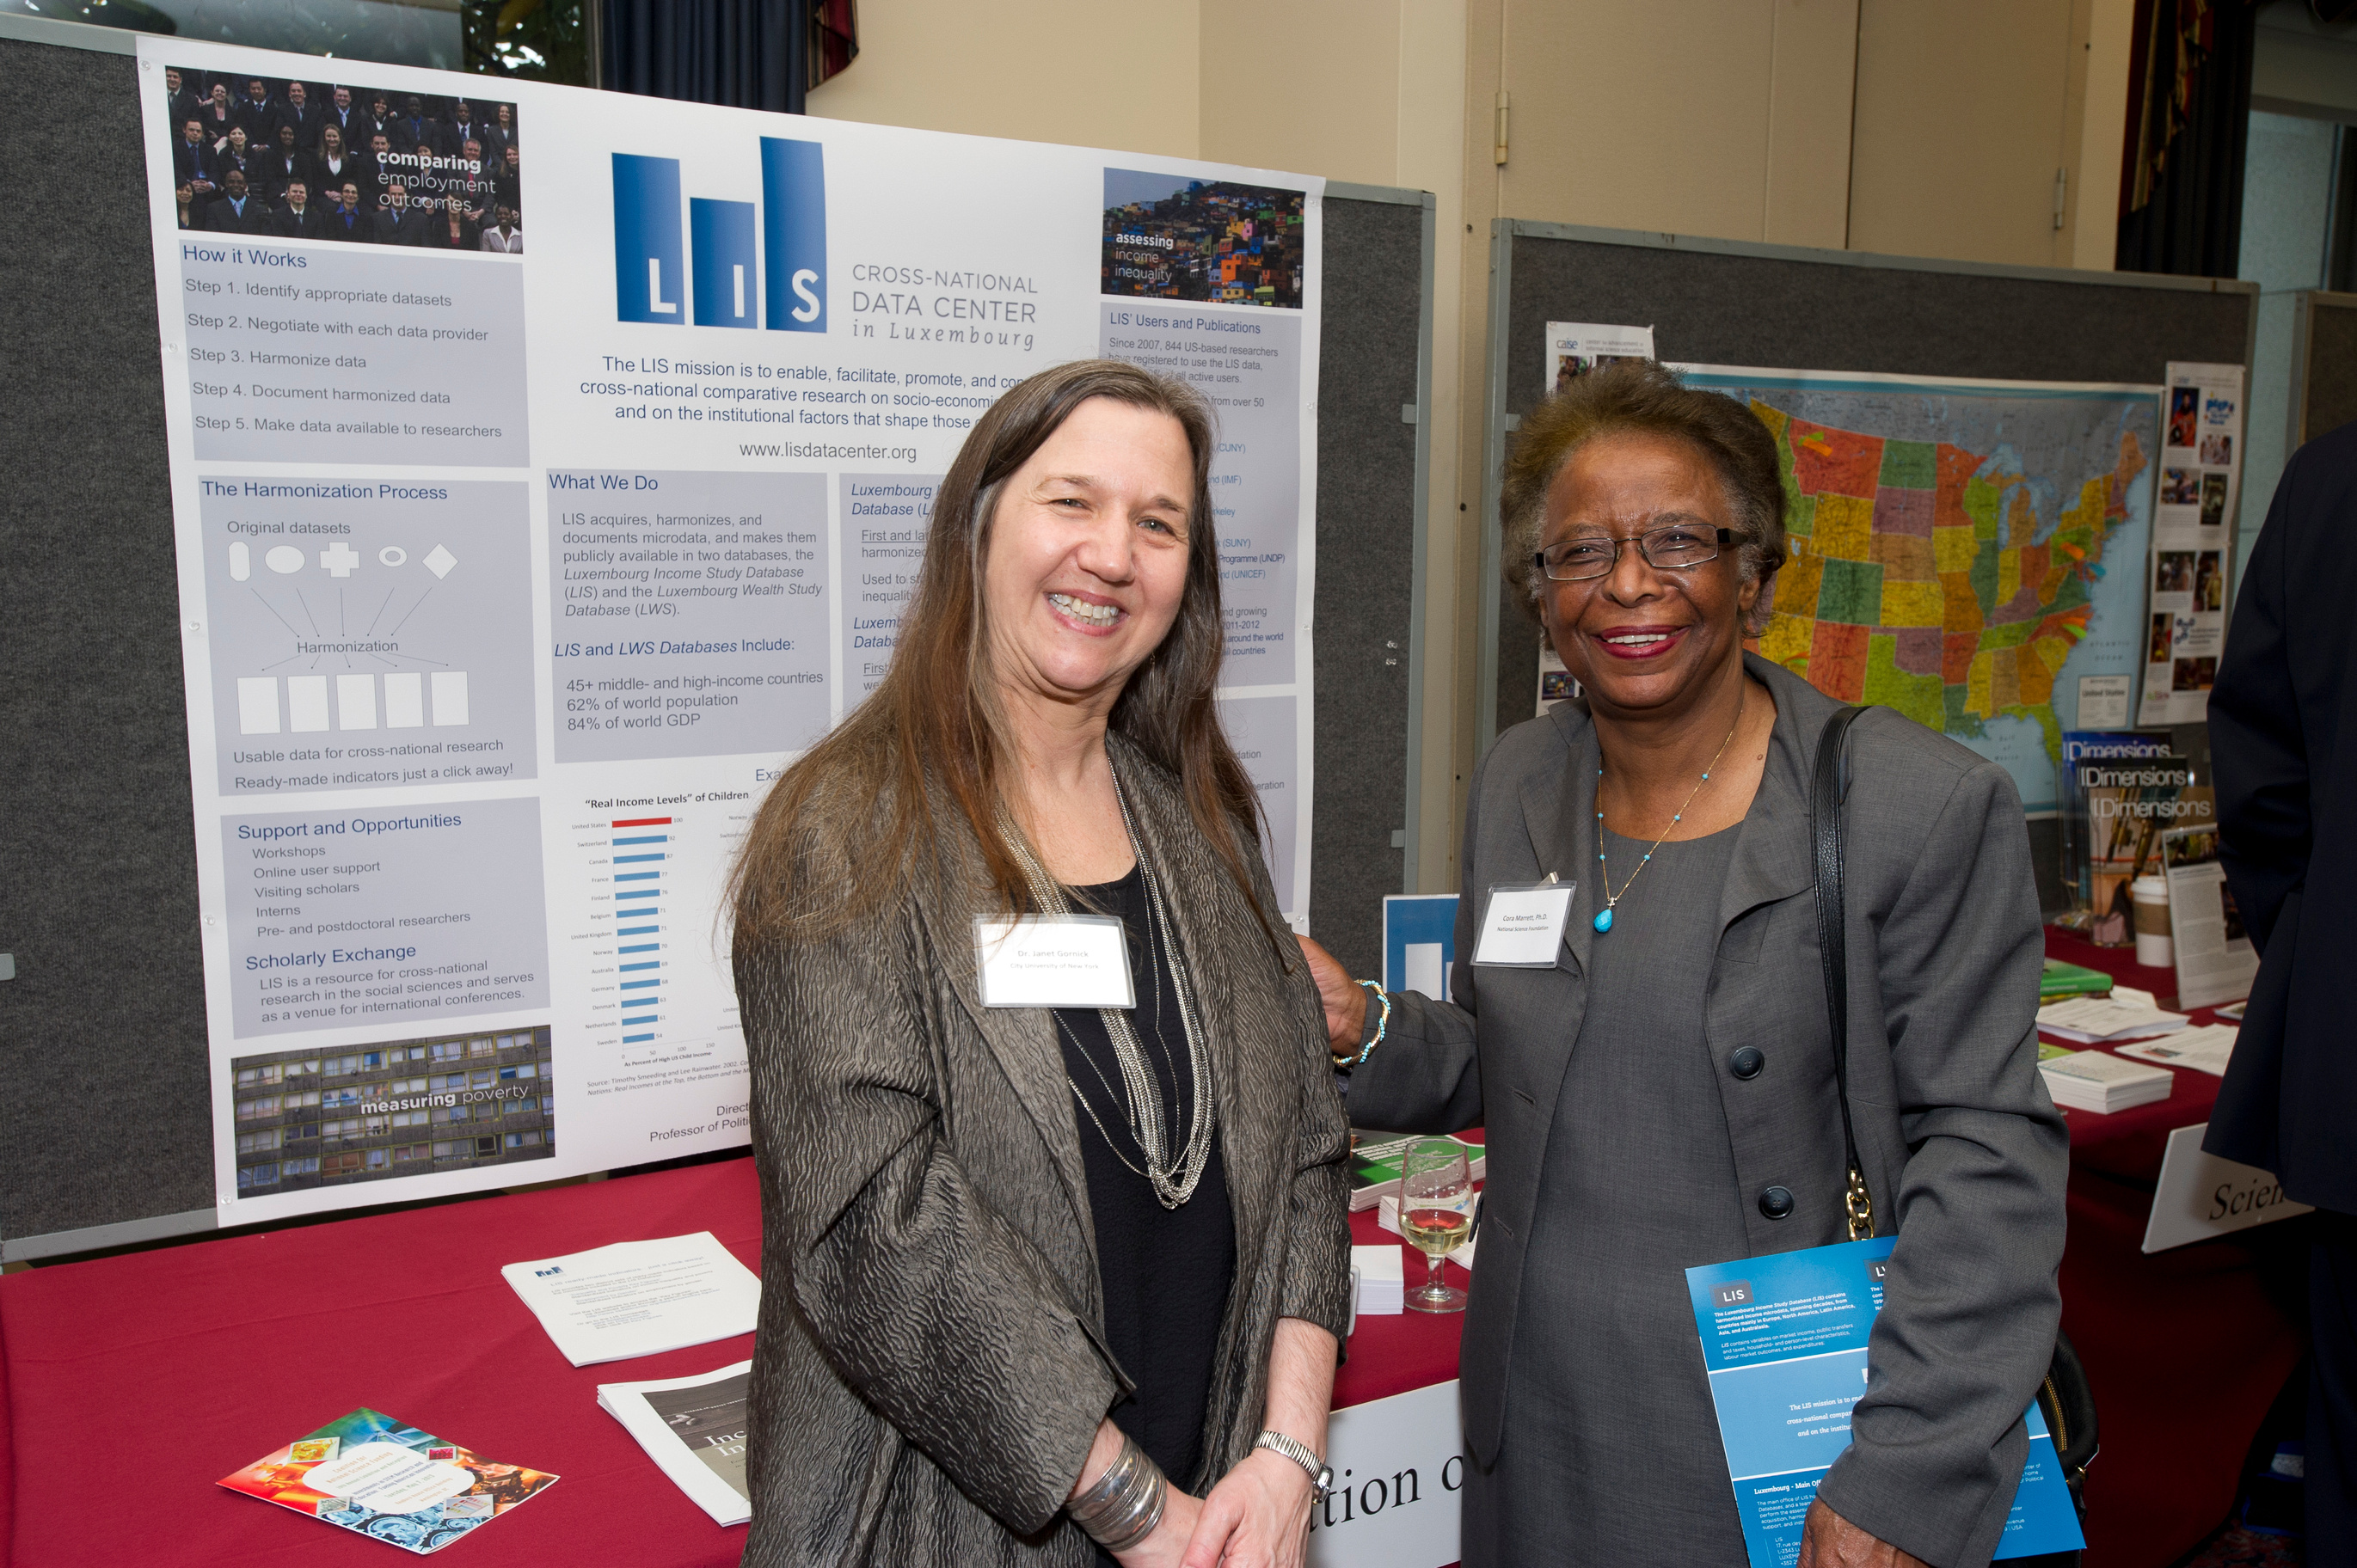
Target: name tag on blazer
(1521, 925)
(1052, 960)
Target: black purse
(2064, 1398)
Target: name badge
(1052, 960)
(1522, 926)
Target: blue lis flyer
(1784, 1340)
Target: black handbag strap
(1826, 796)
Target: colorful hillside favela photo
(1962, 551)
(384, 1477)
(1173, 237)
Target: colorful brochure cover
(1784, 1340)
(384, 1477)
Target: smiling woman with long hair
(1041, 1284)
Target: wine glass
(1436, 1212)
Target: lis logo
(713, 272)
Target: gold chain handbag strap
(1830, 785)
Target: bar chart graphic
(642, 856)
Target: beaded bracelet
(1383, 1023)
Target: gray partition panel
(1718, 302)
(2324, 366)
(102, 1048)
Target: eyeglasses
(1672, 547)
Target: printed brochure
(1783, 1338)
(384, 1477)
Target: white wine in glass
(1436, 1211)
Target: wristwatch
(1321, 1473)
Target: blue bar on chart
(640, 848)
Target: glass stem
(1433, 1284)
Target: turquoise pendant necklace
(1604, 869)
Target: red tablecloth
(136, 1382)
(132, 1383)
(2186, 1349)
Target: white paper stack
(2091, 1080)
(1382, 1280)
(2094, 1020)
(639, 1298)
(2206, 1049)
(1387, 1216)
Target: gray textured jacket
(930, 1367)
(1963, 1150)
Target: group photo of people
(303, 160)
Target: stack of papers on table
(2093, 1021)
(1382, 1280)
(2091, 1080)
(693, 1429)
(2206, 1048)
(639, 1298)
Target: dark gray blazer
(930, 1367)
(1964, 1149)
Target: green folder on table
(2061, 980)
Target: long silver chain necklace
(1150, 1121)
(1604, 868)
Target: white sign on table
(1399, 1474)
(2200, 1196)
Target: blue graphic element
(650, 267)
(793, 234)
(1421, 920)
(727, 267)
(1784, 1340)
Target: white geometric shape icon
(449, 698)
(257, 704)
(440, 560)
(307, 702)
(341, 561)
(241, 567)
(356, 701)
(405, 701)
(285, 560)
(391, 556)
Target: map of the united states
(1919, 577)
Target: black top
(1165, 1271)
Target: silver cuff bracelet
(1127, 1502)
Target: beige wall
(1924, 127)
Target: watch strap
(1321, 1475)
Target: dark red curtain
(2187, 131)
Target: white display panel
(511, 577)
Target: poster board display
(2201, 483)
(112, 1120)
(518, 558)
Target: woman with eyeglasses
(1662, 1095)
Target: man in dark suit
(413, 127)
(463, 127)
(397, 224)
(377, 174)
(305, 116)
(238, 211)
(353, 121)
(296, 217)
(258, 113)
(178, 101)
(2283, 754)
(350, 222)
(192, 159)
